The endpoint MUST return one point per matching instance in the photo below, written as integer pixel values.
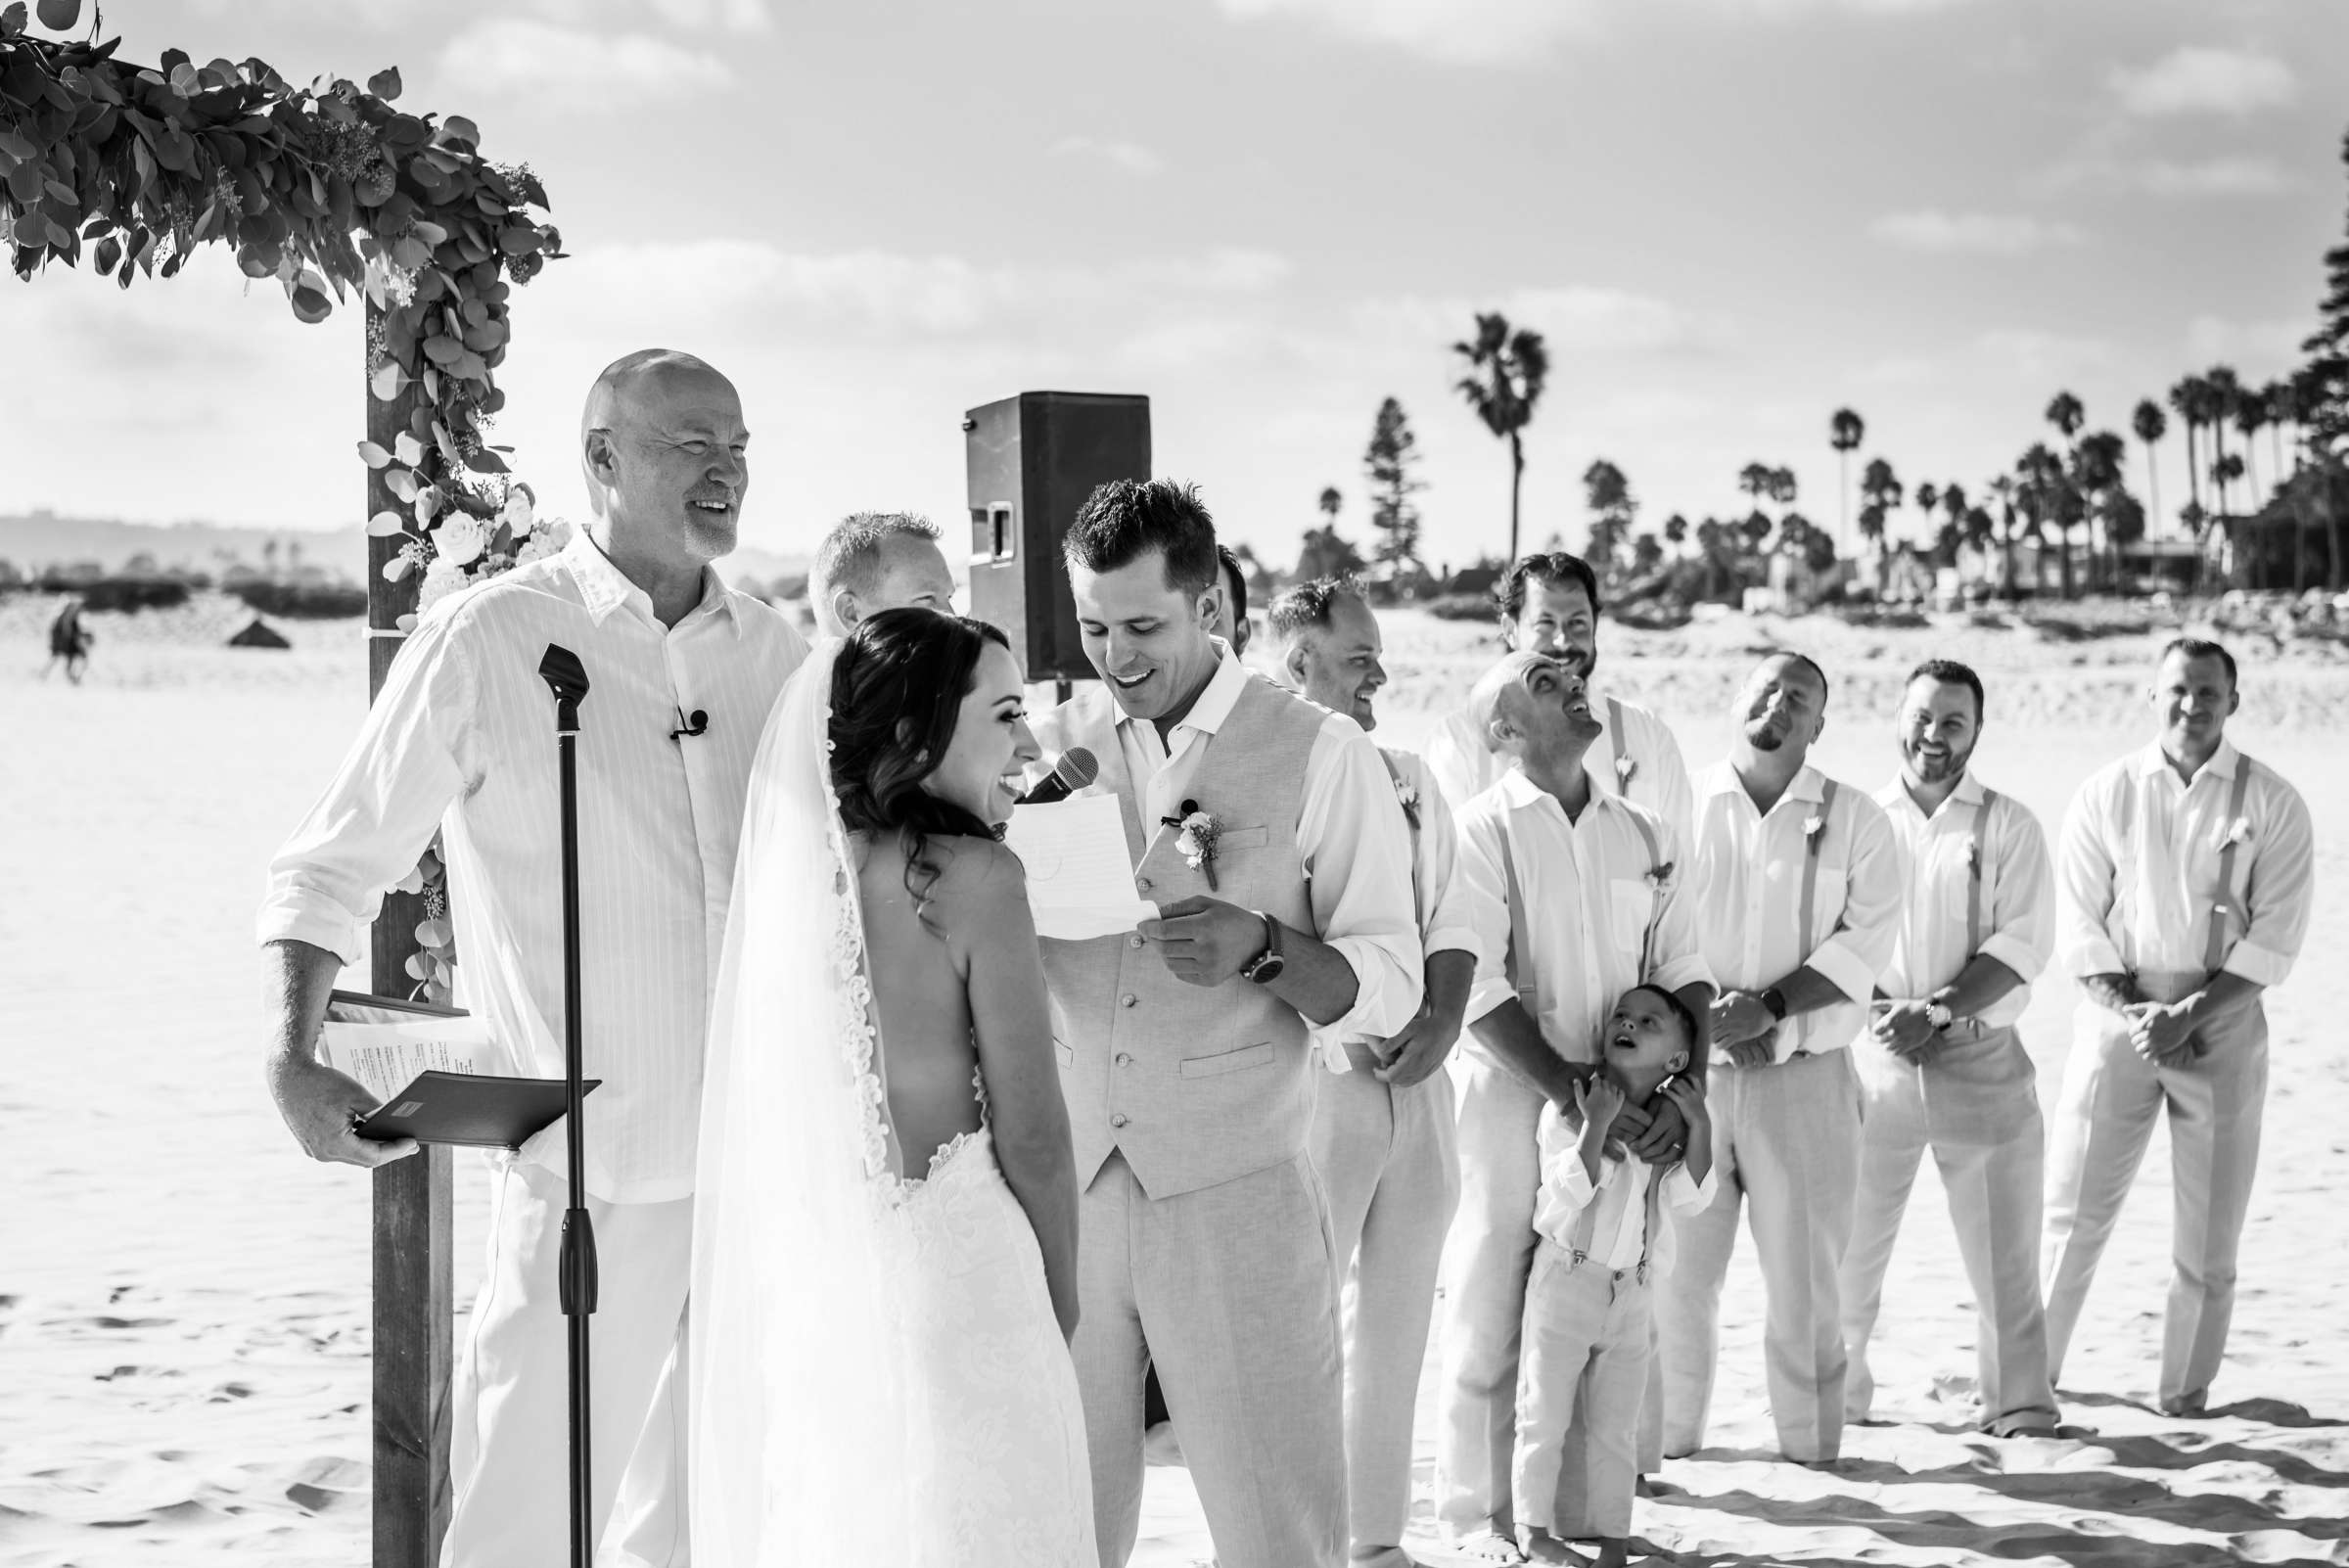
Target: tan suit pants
(1233, 1292)
(1975, 1106)
(1385, 1158)
(509, 1468)
(1786, 1149)
(2111, 1098)
(1587, 1331)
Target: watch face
(1267, 967)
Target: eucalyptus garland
(330, 190)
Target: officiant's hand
(1205, 942)
(322, 1106)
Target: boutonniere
(1660, 877)
(1811, 827)
(1973, 856)
(1624, 768)
(1407, 794)
(2238, 831)
(1195, 836)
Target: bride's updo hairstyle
(897, 687)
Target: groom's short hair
(1125, 519)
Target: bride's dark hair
(897, 687)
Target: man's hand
(1740, 1016)
(1664, 1138)
(321, 1106)
(1906, 1033)
(1753, 1053)
(2163, 1033)
(1415, 1055)
(1205, 942)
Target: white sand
(183, 1360)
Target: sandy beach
(183, 1316)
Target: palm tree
(2186, 400)
(1675, 531)
(1879, 494)
(2218, 407)
(2281, 399)
(2041, 489)
(2250, 415)
(2097, 464)
(1757, 480)
(2002, 486)
(1928, 499)
(1505, 374)
(2224, 472)
(1844, 431)
(2149, 425)
(1331, 500)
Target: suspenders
(2214, 948)
(1819, 840)
(1977, 856)
(1585, 1224)
(1518, 940)
(1655, 873)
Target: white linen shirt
(1588, 896)
(2139, 869)
(1440, 894)
(1652, 773)
(2018, 894)
(462, 738)
(1354, 844)
(1749, 873)
(1619, 1231)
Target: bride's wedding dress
(877, 1376)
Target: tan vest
(1195, 1086)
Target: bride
(885, 1235)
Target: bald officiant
(461, 740)
(1265, 830)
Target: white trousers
(2111, 1097)
(1585, 1361)
(1232, 1293)
(1385, 1158)
(1786, 1149)
(509, 1464)
(1976, 1107)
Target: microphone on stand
(696, 724)
(1073, 770)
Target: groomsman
(1266, 831)
(1578, 895)
(1942, 1066)
(2185, 879)
(1799, 890)
(876, 560)
(1383, 1131)
(1548, 605)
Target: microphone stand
(567, 677)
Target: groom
(1187, 1047)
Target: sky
(1728, 219)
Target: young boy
(1604, 1231)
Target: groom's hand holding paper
(1205, 940)
(1080, 872)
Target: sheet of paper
(1080, 878)
(387, 1057)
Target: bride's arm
(1011, 1016)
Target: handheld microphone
(695, 724)
(1074, 770)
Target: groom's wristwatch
(1773, 1001)
(1266, 966)
(1939, 1015)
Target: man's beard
(1762, 738)
(1949, 766)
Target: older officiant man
(1266, 831)
(462, 740)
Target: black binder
(488, 1113)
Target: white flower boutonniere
(2238, 831)
(1973, 856)
(1660, 877)
(1812, 826)
(1624, 768)
(1407, 794)
(1195, 836)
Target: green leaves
(385, 84)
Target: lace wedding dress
(876, 1375)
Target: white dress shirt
(2139, 869)
(1354, 844)
(1619, 1237)
(1938, 872)
(1648, 768)
(1439, 892)
(1589, 895)
(462, 738)
(1750, 871)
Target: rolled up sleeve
(1483, 880)
(1358, 856)
(2279, 891)
(1445, 922)
(2023, 910)
(366, 833)
(1861, 944)
(2084, 886)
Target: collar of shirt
(604, 587)
(1809, 785)
(1521, 794)
(2153, 761)
(1208, 714)
(1895, 798)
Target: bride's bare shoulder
(979, 873)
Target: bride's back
(918, 950)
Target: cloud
(2205, 81)
(1574, 319)
(1970, 233)
(2213, 176)
(2248, 344)
(574, 65)
(728, 16)
(1507, 32)
(1129, 157)
(2029, 351)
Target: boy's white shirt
(1621, 1192)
